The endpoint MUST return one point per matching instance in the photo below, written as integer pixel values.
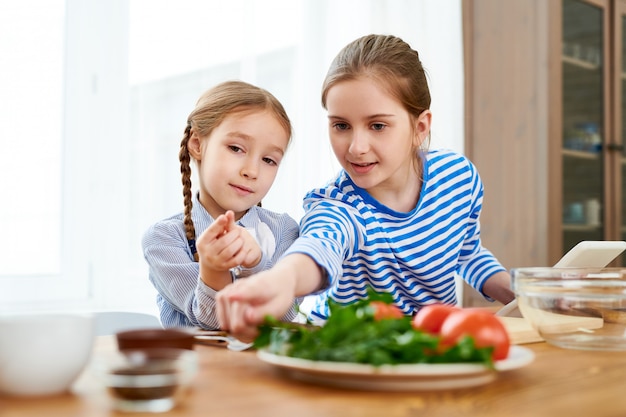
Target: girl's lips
(362, 168)
(241, 190)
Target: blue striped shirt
(414, 256)
(183, 298)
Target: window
(31, 132)
(96, 100)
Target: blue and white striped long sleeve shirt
(414, 256)
(183, 298)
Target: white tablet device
(592, 254)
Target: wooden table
(559, 382)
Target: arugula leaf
(351, 334)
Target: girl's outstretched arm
(243, 305)
(498, 287)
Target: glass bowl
(576, 308)
(146, 380)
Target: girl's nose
(250, 170)
(359, 144)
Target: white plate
(410, 377)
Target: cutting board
(521, 331)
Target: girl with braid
(237, 136)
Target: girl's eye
(378, 126)
(270, 161)
(235, 148)
(341, 126)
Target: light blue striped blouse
(183, 299)
(415, 256)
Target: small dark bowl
(146, 380)
(155, 338)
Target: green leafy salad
(356, 333)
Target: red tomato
(430, 318)
(485, 328)
(384, 311)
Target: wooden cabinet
(618, 74)
(545, 123)
(587, 144)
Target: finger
(215, 229)
(224, 221)
(231, 313)
(248, 257)
(240, 256)
(240, 327)
(253, 257)
(218, 253)
(254, 316)
(229, 217)
(235, 318)
(233, 251)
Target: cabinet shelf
(581, 63)
(568, 227)
(581, 154)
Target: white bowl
(43, 353)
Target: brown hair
(389, 61)
(211, 109)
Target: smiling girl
(237, 135)
(398, 218)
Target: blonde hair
(389, 61)
(211, 109)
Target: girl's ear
(422, 127)
(194, 146)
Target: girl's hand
(244, 304)
(222, 246)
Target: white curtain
(130, 74)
